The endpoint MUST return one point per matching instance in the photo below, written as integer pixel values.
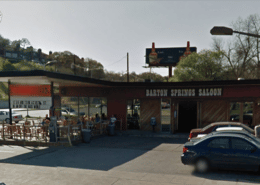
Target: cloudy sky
(106, 30)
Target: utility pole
(127, 67)
(74, 65)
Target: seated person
(46, 120)
(103, 117)
(97, 119)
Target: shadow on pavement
(102, 153)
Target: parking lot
(110, 160)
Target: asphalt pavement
(110, 160)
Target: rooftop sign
(167, 56)
(191, 92)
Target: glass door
(166, 115)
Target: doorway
(166, 115)
(187, 117)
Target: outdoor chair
(27, 132)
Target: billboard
(167, 56)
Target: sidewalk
(142, 133)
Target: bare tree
(241, 53)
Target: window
(240, 144)
(219, 143)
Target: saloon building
(176, 106)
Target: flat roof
(60, 79)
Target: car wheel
(16, 121)
(202, 165)
(7, 121)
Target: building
(176, 106)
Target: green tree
(203, 66)
(4, 42)
(153, 76)
(8, 66)
(94, 69)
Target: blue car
(223, 151)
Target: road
(111, 160)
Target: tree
(24, 42)
(4, 42)
(94, 69)
(153, 76)
(203, 66)
(7, 66)
(241, 52)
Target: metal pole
(248, 34)
(170, 71)
(9, 100)
(74, 65)
(150, 74)
(127, 67)
(52, 100)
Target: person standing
(112, 120)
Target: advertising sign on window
(25, 102)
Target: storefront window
(248, 113)
(234, 111)
(69, 107)
(87, 107)
(97, 108)
(133, 114)
(83, 106)
(247, 108)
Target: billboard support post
(170, 71)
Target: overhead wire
(117, 61)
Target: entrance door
(166, 114)
(187, 118)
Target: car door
(220, 152)
(2, 116)
(245, 155)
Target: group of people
(98, 119)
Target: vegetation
(241, 53)
(203, 66)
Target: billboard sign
(166, 56)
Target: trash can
(86, 135)
(111, 129)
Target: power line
(117, 61)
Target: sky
(106, 31)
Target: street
(110, 160)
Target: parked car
(65, 111)
(213, 126)
(99, 105)
(232, 130)
(247, 119)
(4, 116)
(225, 151)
